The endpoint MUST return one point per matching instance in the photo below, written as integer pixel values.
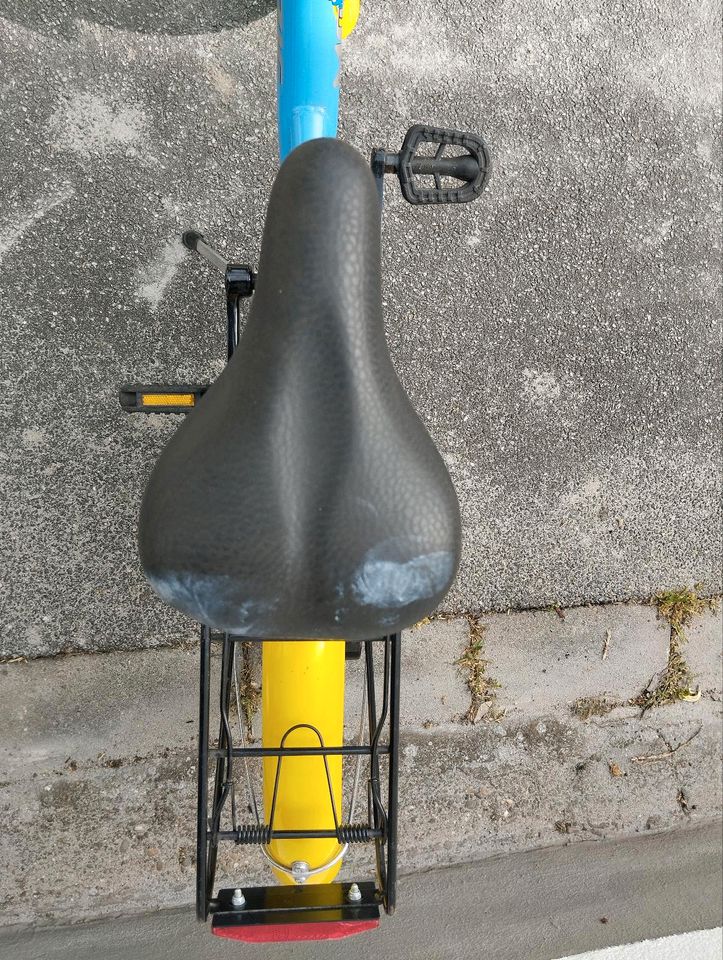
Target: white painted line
(700, 945)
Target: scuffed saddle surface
(303, 497)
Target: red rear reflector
(286, 932)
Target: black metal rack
(382, 749)
(310, 903)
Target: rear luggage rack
(324, 910)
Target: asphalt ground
(559, 337)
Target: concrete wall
(560, 337)
(98, 806)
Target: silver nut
(238, 899)
(354, 895)
(300, 871)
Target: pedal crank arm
(239, 277)
(193, 240)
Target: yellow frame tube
(303, 682)
(349, 17)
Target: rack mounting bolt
(300, 871)
(354, 895)
(238, 899)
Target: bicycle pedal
(160, 398)
(458, 177)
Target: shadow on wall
(170, 17)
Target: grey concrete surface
(539, 905)
(560, 337)
(98, 759)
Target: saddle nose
(303, 497)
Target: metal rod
(232, 324)
(461, 168)
(220, 792)
(347, 751)
(283, 753)
(392, 810)
(211, 256)
(202, 825)
(225, 737)
(374, 815)
(385, 697)
(371, 703)
(374, 783)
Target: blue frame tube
(308, 71)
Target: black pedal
(461, 157)
(160, 398)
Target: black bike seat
(303, 497)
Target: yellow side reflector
(168, 399)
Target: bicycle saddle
(303, 497)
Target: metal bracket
(347, 907)
(381, 828)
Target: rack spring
(254, 833)
(354, 833)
